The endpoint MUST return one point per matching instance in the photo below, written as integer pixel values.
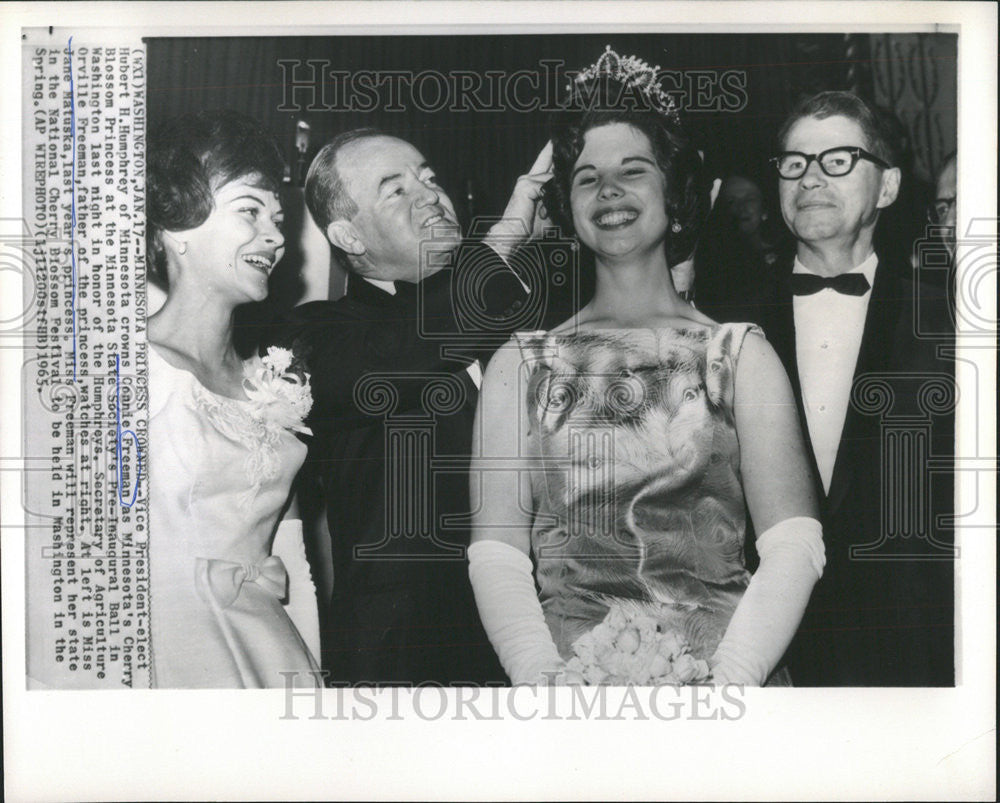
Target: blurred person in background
(941, 229)
(737, 257)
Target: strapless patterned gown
(637, 486)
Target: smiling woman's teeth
(259, 262)
(616, 218)
(433, 220)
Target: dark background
(479, 154)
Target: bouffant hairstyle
(686, 197)
(190, 158)
(874, 126)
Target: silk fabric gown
(219, 479)
(636, 486)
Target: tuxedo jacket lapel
(861, 432)
(781, 334)
(380, 304)
(471, 391)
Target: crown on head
(631, 71)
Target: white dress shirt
(828, 330)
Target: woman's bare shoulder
(695, 315)
(172, 356)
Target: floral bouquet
(631, 646)
(280, 397)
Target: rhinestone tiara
(631, 71)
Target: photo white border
(840, 744)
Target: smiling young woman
(638, 430)
(224, 553)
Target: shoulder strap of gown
(164, 380)
(721, 358)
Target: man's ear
(343, 235)
(890, 187)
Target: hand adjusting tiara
(630, 71)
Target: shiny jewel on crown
(632, 71)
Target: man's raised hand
(525, 215)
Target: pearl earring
(676, 227)
(183, 248)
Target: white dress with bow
(219, 476)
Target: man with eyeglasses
(845, 327)
(933, 254)
(941, 211)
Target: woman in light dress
(617, 454)
(232, 602)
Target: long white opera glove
(301, 607)
(791, 561)
(511, 613)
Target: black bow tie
(851, 284)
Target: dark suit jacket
(392, 422)
(883, 613)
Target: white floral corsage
(631, 646)
(279, 398)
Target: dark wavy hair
(876, 125)
(686, 197)
(190, 158)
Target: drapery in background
(915, 76)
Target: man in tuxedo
(866, 348)
(395, 368)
